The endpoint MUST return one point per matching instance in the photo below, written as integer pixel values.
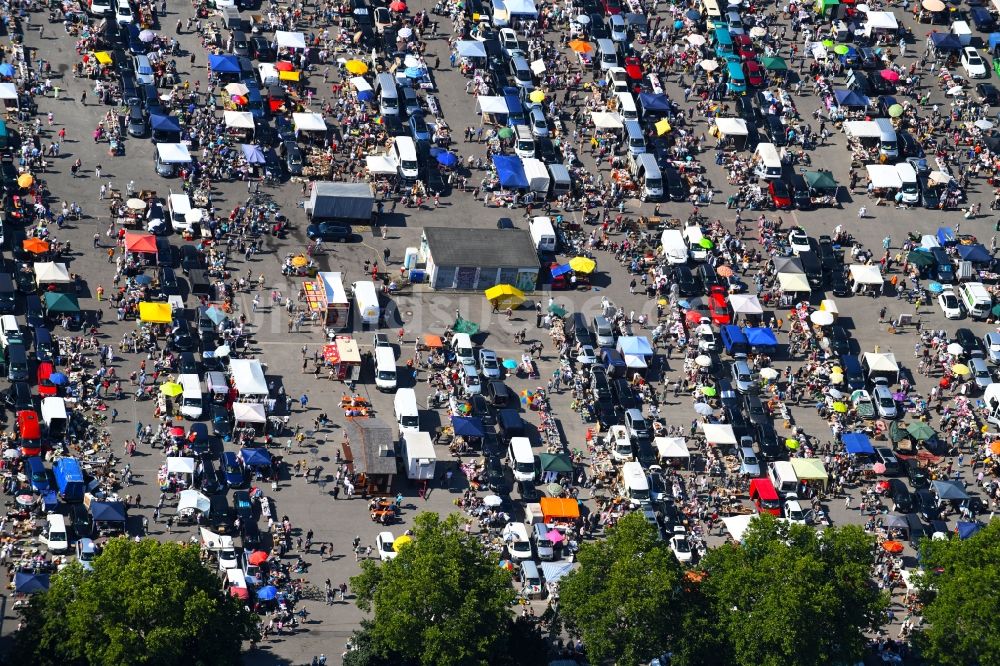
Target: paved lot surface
(311, 505)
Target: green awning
(820, 180)
(921, 259)
(62, 303)
(774, 64)
(831, 3)
(996, 310)
(465, 326)
(920, 431)
(555, 462)
(557, 310)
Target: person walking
(385, 255)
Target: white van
(522, 460)
(647, 174)
(710, 10)
(693, 235)
(543, 545)
(179, 205)
(909, 191)
(388, 96)
(465, 351)
(404, 151)
(634, 137)
(782, 476)
(975, 299)
(405, 403)
(674, 248)
(543, 234)
(888, 142)
(768, 163)
(634, 484)
(515, 535)
(626, 106)
(235, 578)
(10, 332)
(385, 369)
(524, 145)
(56, 536)
(191, 396)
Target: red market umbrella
(240, 592)
(890, 75)
(397, 6)
(284, 66)
(257, 558)
(894, 547)
(177, 431)
(693, 317)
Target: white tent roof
(53, 407)
(48, 271)
(176, 465)
(172, 153)
(521, 8)
(361, 84)
(8, 91)
(192, 500)
(267, 71)
(863, 274)
(671, 447)
(249, 412)
(420, 445)
(719, 433)
(248, 376)
(240, 119)
(732, 126)
(884, 175)
(882, 21)
(862, 128)
(745, 304)
(881, 362)
(606, 120)
(290, 40)
(471, 48)
(380, 164)
(213, 541)
(491, 104)
(794, 282)
(737, 525)
(308, 122)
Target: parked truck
(69, 479)
(419, 455)
(366, 298)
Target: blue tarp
(946, 236)
(562, 269)
(510, 171)
(468, 426)
(29, 583)
(945, 42)
(857, 443)
(850, 98)
(635, 345)
(164, 123)
(965, 530)
(224, 64)
(256, 457)
(977, 254)
(761, 337)
(108, 512)
(253, 154)
(652, 102)
(994, 40)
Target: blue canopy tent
(857, 443)
(468, 426)
(966, 530)
(224, 64)
(946, 236)
(510, 171)
(164, 123)
(561, 269)
(29, 583)
(994, 40)
(108, 512)
(253, 154)
(256, 457)
(760, 337)
(945, 42)
(654, 102)
(976, 253)
(949, 490)
(635, 345)
(850, 98)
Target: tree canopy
(441, 601)
(624, 600)
(962, 585)
(143, 603)
(787, 596)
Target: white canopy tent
(249, 412)
(884, 176)
(289, 40)
(248, 378)
(732, 126)
(381, 165)
(737, 525)
(471, 48)
(48, 272)
(360, 84)
(745, 304)
(794, 282)
(863, 274)
(268, 73)
(606, 120)
(308, 122)
(671, 447)
(239, 119)
(213, 541)
(192, 500)
(862, 129)
(491, 104)
(719, 433)
(881, 21)
(178, 465)
(884, 362)
(8, 91)
(173, 153)
(521, 8)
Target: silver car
(489, 364)
(992, 343)
(884, 402)
(749, 464)
(742, 377)
(470, 379)
(980, 372)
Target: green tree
(962, 587)
(441, 601)
(625, 598)
(788, 596)
(144, 603)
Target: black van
(169, 286)
(17, 363)
(46, 348)
(813, 268)
(776, 130)
(673, 184)
(511, 424)
(853, 374)
(581, 330)
(200, 283)
(8, 294)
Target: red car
(781, 196)
(559, 282)
(46, 387)
(612, 7)
(744, 47)
(718, 306)
(754, 73)
(30, 432)
(633, 67)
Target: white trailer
(366, 297)
(418, 452)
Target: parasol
(703, 409)
(356, 67)
(709, 65)
(509, 363)
(703, 361)
(171, 389)
(25, 180)
(493, 500)
(768, 373)
(878, 468)
(401, 541)
(136, 204)
(237, 88)
(960, 369)
(955, 349)
(894, 547)
(146, 36)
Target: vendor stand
(343, 358)
(327, 300)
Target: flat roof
(501, 248)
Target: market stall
(327, 299)
(673, 451)
(343, 357)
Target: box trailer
(419, 455)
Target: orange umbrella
(724, 271)
(580, 46)
(35, 245)
(257, 558)
(995, 447)
(894, 547)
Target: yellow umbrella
(836, 370)
(25, 180)
(356, 67)
(582, 264)
(536, 96)
(103, 57)
(155, 313)
(960, 369)
(840, 407)
(504, 295)
(171, 389)
(299, 261)
(662, 127)
(836, 378)
(791, 444)
(401, 541)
